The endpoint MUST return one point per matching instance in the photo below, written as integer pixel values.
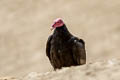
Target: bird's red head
(57, 23)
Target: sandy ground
(25, 27)
(100, 70)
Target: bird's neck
(62, 31)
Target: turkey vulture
(63, 49)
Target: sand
(101, 70)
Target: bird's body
(64, 50)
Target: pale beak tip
(51, 28)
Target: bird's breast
(61, 53)
(59, 46)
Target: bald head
(58, 23)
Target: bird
(63, 49)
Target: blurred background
(25, 27)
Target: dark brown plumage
(65, 50)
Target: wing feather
(48, 46)
(78, 50)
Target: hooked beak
(51, 28)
